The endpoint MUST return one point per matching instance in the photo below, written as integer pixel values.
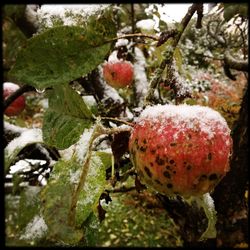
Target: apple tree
(100, 70)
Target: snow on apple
(181, 149)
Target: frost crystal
(182, 86)
(75, 176)
(35, 229)
(186, 116)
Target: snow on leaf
(79, 148)
(35, 229)
(42, 64)
(182, 85)
(56, 201)
(57, 198)
(94, 185)
(27, 137)
(49, 15)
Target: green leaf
(28, 137)
(91, 226)
(56, 198)
(94, 185)
(29, 205)
(64, 53)
(14, 11)
(66, 118)
(105, 157)
(178, 59)
(230, 10)
(65, 100)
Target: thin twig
(122, 189)
(118, 120)
(156, 38)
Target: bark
(238, 64)
(190, 220)
(229, 195)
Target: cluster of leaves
(223, 96)
(42, 65)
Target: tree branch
(133, 36)
(238, 64)
(168, 55)
(199, 17)
(219, 39)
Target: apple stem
(207, 203)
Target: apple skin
(17, 106)
(118, 74)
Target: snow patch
(113, 57)
(185, 116)
(121, 42)
(11, 86)
(13, 128)
(140, 76)
(146, 24)
(182, 86)
(24, 165)
(68, 14)
(27, 137)
(35, 229)
(75, 176)
(80, 148)
(89, 100)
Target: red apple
(17, 106)
(118, 74)
(180, 149)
